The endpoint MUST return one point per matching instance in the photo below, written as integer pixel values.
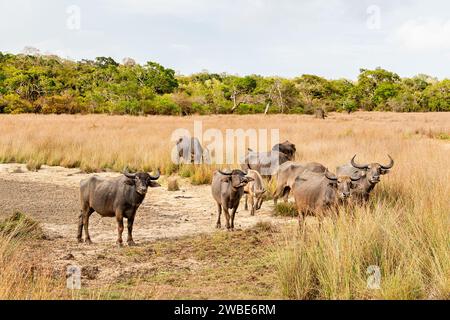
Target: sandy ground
(51, 196)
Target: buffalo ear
(153, 184)
(129, 182)
(226, 179)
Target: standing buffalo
(227, 189)
(319, 113)
(190, 149)
(287, 148)
(370, 174)
(118, 197)
(316, 192)
(288, 172)
(266, 163)
(255, 191)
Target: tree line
(35, 83)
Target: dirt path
(51, 197)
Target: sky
(333, 38)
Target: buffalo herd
(314, 188)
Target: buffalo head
(237, 178)
(142, 180)
(372, 171)
(343, 184)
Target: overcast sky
(331, 38)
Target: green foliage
(49, 84)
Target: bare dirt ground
(51, 196)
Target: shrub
(285, 209)
(14, 104)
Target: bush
(285, 209)
(14, 104)
(21, 226)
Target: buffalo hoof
(131, 243)
(88, 241)
(218, 226)
(79, 240)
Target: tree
(161, 80)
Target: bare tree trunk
(280, 96)
(267, 108)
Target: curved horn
(158, 174)
(330, 177)
(129, 175)
(358, 166)
(390, 165)
(225, 173)
(355, 177)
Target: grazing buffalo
(370, 174)
(287, 148)
(316, 192)
(227, 189)
(255, 191)
(266, 163)
(117, 197)
(190, 149)
(288, 172)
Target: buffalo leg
(130, 231)
(227, 217)
(278, 193)
(80, 227)
(85, 221)
(286, 192)
(252, 205)
(246, 205)
(119, 219)
(233, 212)
(219, 212)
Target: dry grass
(404, 230)
(22, 276)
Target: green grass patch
(285, 209)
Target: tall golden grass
(22, 276)
(404, 230)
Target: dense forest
(38, 83)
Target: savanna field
(403, 230)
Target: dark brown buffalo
(316, 192)
(117, 197)
(227, 189)
(287, 148)
(370, 174)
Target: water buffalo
(190, 149)
(287, 148)
(320, 113)
(255, 191)
(227, 189)
(118, 197)
(316, 192)
(266, 163)
(370, 174)
(288, 172)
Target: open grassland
(404, 230)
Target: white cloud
(424, 34)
